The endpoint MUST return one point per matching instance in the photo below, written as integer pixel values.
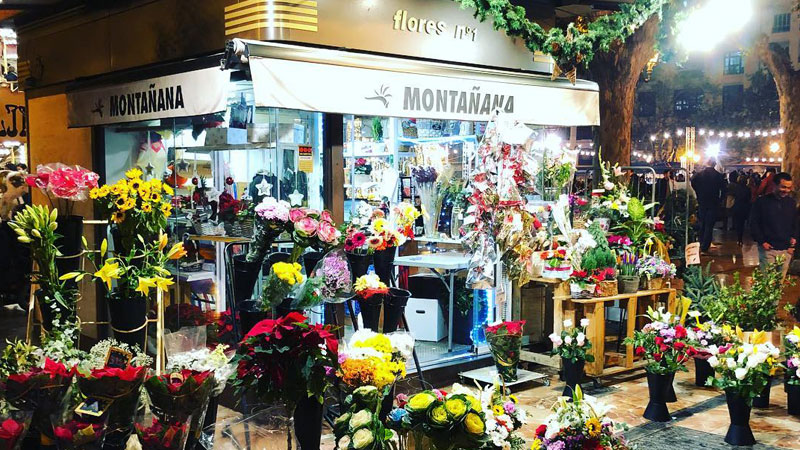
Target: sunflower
(135, 184)
(593, 426)
(133, 173)
(94, 193)
(118, 217)
(144, 191)
(155, 197)
(129, 204)
(147, 207)
(168, 189)
(120, 189)
(120, 202)
(166, 209)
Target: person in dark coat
(741, 205)
(709, 185)
(773, 223)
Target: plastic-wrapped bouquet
(13, 426)
(272, 219)
(404, 214)
(65, 184)
(334, 269)
(361, 426)
(280, 282)
(369, 285)
(312, 228)
(505, 343)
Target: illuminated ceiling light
(747, 159)
(666, 135)
(713, 150)
(780, 159)
(763, 159)
(740, 134)
(772, 160)
(680, 133)
(747, 135)
(702, 131)
(711, 133)
(730, 133)
(683, 158)
(774, 132)
(710, 25)
(758, 132)
(774, 147)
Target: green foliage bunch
(756, 309)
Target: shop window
(646, 104)
(734, 63)
(687, 101)
(782, 23)
(732, 97)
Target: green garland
(576, 45)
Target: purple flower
(424, 174)
(509, 407)
(558, 445)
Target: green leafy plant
(601, 256)
(638, 227)
(754, 309)
(700, 286)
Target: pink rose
(306, 227)
(325, 216)
(328, 233)
(296, 214)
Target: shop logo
(381, 95)
(146, 102)
(473, 102)
(98, 107)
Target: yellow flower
(513, 398)
(133, 173)
(177, 251)
(168, 189)
(155, 185)
(536, 445)
(135, 184)
(109, 271)
(103, 191)
(163, 283)
(147, 207)
(421, 401)
(144, 191)
(94, 193)
(145, 284)
(474, 403)
(120, 202)
(474, 424)
(498, 410)
(593, 426)
(118, 217)
(456, 407)
(166, 209)
(439, 415)
(162, 241)
(154, 197)
(378, 225)
(120, 189)
(129, 204)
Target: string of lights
(741, 134)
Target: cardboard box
(425, 319)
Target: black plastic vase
(739, 432)
(793, 399)
(671, 398)
(383, 261)
(371, 311)
(308, 423)
(245, 275)
(310, 261)
(762, 401)
(657, 410)
(359, 263)
(128, 317)
(573, 373)
(250, 314)
(393, 308)
(70, 228)
(702, 371)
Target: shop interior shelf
(219, 148)
(439, 140)
(228, 239)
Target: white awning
(184, 94)
(334, 81)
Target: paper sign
(93, 407)
(118, 358)
(305, 159)
(693, 254)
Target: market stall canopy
(335, 81)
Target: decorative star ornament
(296, 198)
(149, 168)
(183, 166)
(264, 188)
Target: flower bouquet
(425, 183)
(556, 264)
(361, 426)
(283, 278)
(655, 271)
(288, 360)
(503, 414)
(123, 385)
(311, 228)
(580, 424)
(181, 397)
(335, 272)
(743, 370)
(505, 343)
(73, 431)
(664, 344)
(155, 434)
(382, 242)
(64, 184)
(573, 348)
(791, 354)
(370, 292)
(703, 335)
(13, 427)
(272, 219)
(435, 420)
(404, 215)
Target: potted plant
(37, 226)
(135, 273)
(135, 208)
(701, 336)
(505, 343)
(743, 371)
(64, 185)
(573, 348)
(654, 271)
(556, 264)
(628, 273)
(791, 355)
(602, 261)
(582, 284)
(370, 293)
(664, 344)
(606, 279)
(287, 360)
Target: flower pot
(653, 284)
(387, 403)
(128, 317)
(573, 373)
(793, 399)
(209, 423)
(628, 284)
(559, 273)
(608, 288)
(359, 263)
(578, 290)
(308, 423)
(671, 398)
(310, 261)
(250, 314)
(285, 308)
(739, 432)
(762, 401)
(657, 386)
(393, 308)
(505, 351)
(371, 311)
(383, 261)
(245, 274)
(70, 245)
(50, 309)
(702, 371)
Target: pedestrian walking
(708, 184)
(741, 206)
(773, 223)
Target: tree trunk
(617, 73)
(787, 80)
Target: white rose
(584, 323)
(556, 340)
(713, 361)
(797, 373)
(731, 363)
(740, 373)
(568, 340)
(581, 339)
(714, 350)
(567, 323)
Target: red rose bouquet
(664, 343)
(505, 343)
(77, 433)
(12, 429)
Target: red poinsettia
(129, 373)
(514, 328)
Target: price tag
(118, 358)
(305, 159)
(93, 407)
(692, 254)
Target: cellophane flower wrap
(286, 359)
(360, 426)
(14, 426)
(375, 359)
(370, 285)
(580, 424)
(437, 420)
(664, 343)
(179, 394)
(572, 343)
(791, 354)
(272, 219)
(79, 433)
(64, 183)
(336, 274)
(425, 183)
(404, 215)
(744, 368)
(159, 435)
(505, 343)
(283, 278)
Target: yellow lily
(163, 283)
(144, 285)
(177, 251)
(109, 271)
(758, 337)
(162, 241)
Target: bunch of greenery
(601, 256)
(638, 227)
(701, 287)
(756, 309)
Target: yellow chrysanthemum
(133, 173)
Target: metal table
(445, 266)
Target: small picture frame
(118, 358)
(93, 407)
